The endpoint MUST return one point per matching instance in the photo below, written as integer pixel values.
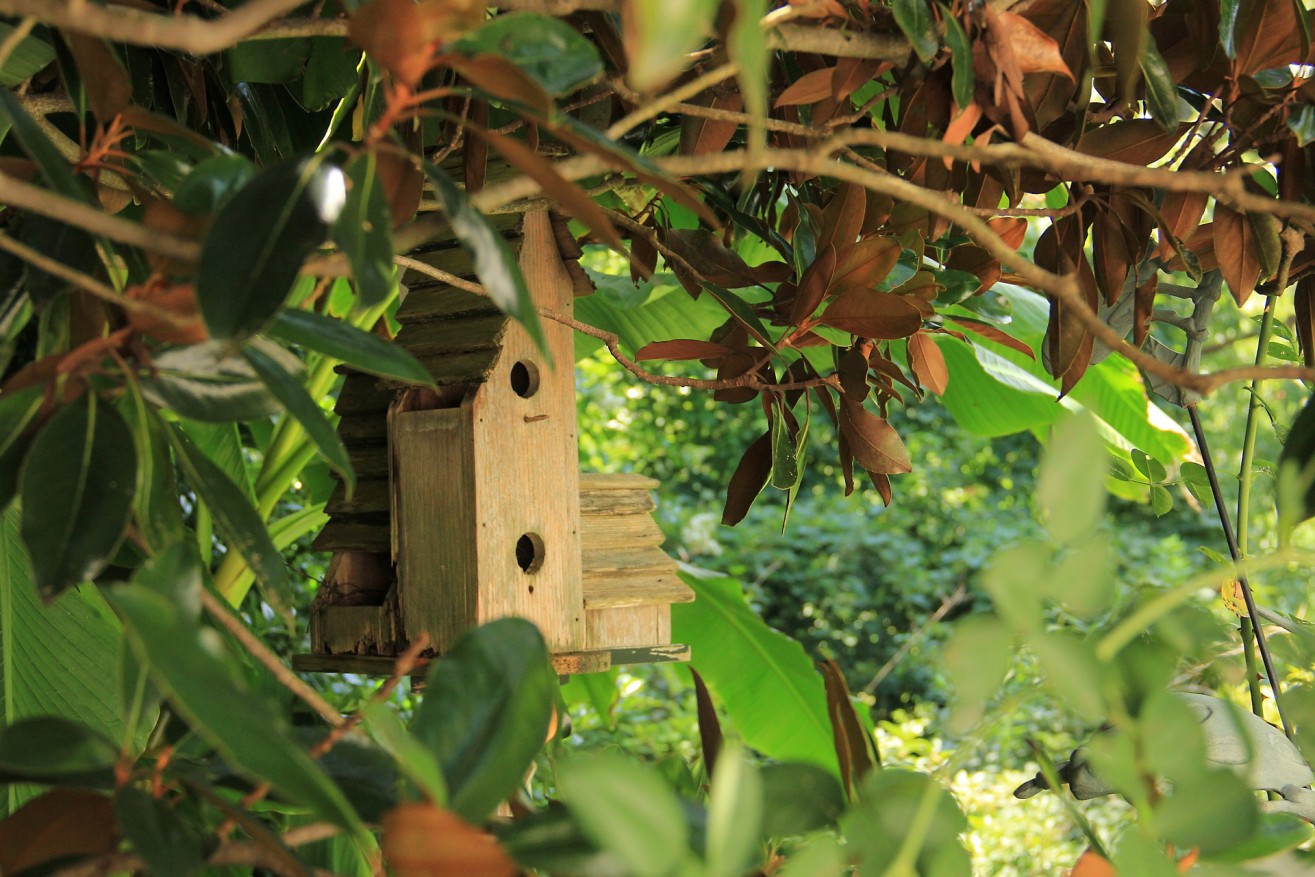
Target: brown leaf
(868, 263)
(873, 441)
(1180, 214)
(1237, 251)
(852, 74)
(401, 35)
(709, 256)
(843, 219)
(1035, 50)
(699, 136)
(871, 314)
(402, 182)
(570, 197)
(62, 823)
(748, 481)
(1303, 299)
(108, 86)
(1066, 23)
(1136, 141)
(993, 333)
(682, 348)
(180, 302)
(813, 285)
(475, 155)
(1112, 254)
(709, 725)
(1143, 309)
(423, 840)
(807, 89)
(1268, 35)
(974, 260)
(500, 78)
(736, 365)
(928, 363)
(1011, 229)
(855, 750)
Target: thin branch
(404, 666)
(25, 196)
(184, 33)
(661, 104)
(439, 274)
(258, 650)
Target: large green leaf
(485, 713)
(772, 694)
(669, 313)
(495, 266)
(31, 55)
(210, 382)
(273, 61)
(155, 506)
(361, 350)
(77, 486)
(259, 240)
(18, 410)
(53, 658)
(552, 52)
(364, 231)
(201, 684)
(55, 750)
(235, 518)
(288, 389)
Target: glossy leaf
(159, 834)
(748, 480)
(552, 52)
(915, 20)
(288, 389)
(76, 487)
(485, 713)
(497, 270)
(414, 760)
(1238, 252)
(961, 58)
(873, 441)
(871, 314)
(201, 685)
(259, 240)
(364, 231)
(362, 350)
(627, 809)
(1161, 93)
(213, 183)
(211, 383)
(740, 657)
(235, 518)
(274, 61)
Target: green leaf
(1161, 93)
(236, 519)
(785, 460)
(914, 18)
(747, 44)
(664, 35)
(56, 750)
(201, 684)
(1071, 670)
(362, 350)
(1210, 811)
(1228, 10)
(212, 383)
(212, 183)
(742, 311)
(799, 799)
(1150, 468)
(627, 809)
(288, 389)
(1161, 500)
(274, 61)
(155, 503)
(18, 410)
(259, 240)
(1296, 469)
(961, 58)
(735, 811)
(364, 231)
(486, 711)
(899, 810)
(77, 487)
(976, 659)
(1302, 124)
(158, 833)
(1274, 833)
(333, 71)
(552, 52)
(413, 758)
(1071, 480)
(31, 55)
(53, 658)
(497, 270)
(740, 658)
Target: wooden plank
(565, 663)
(456, 335)
(463, 368)
(370, 461)
(629, 560)
(364, 429)
(355, 630)
(658, 654)
(622, 628)
(645, 589)
(436, 513)
(350, 534)
(526, 463)
(606, 533)
(369, 498)
(616, 502)
(591, 482)
(361, 394)
(438, 301)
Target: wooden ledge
(565, 664)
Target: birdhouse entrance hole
(525, 379)
(529, 553)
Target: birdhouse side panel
(436, 511)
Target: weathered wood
(606, 533)
(645, 588)
(369, 461)
(353, 630)
(353, 534)
(628, 561)
(565, 664)
(369, 498)
(360, 394)
(617, 502)
(439, 301)
(592, 482)
(470, 367)
(355, 578)
(616, 628)
(457, 335)
(363, 429)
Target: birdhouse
(470, 505)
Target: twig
(439, 274)
(660, 105)
(404, 666)
(258, 650)
(947, 603)
(25, 196)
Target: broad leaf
(485, 713)
(201, 685)
(18, 411)
(159, 833)
(259, 240)
(30, 56)
(55, 750)
(77, 486)
(552, 52)
(54, 166)
(915, 19)
(362, 350)
(364, 231)
(740, 658)
(497, 270)
(1071, 480)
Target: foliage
(203, 213)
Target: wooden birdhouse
(470, 505)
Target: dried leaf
(501, 78)
(699, 136)
(1012, 230)
(710, 735)
(1112, 254)
(974, 260)
(422, 840)
(1090, 864)
(1237, 252)
(928, 363)
(807, 89)
(748, 481)
(813, 285)
(1268, 35)
(402, 35)
(402, 181)
(61, 824)
(854, 749)
(1136, 141)
(871, 314)
(873, 441)
(1035, 50)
